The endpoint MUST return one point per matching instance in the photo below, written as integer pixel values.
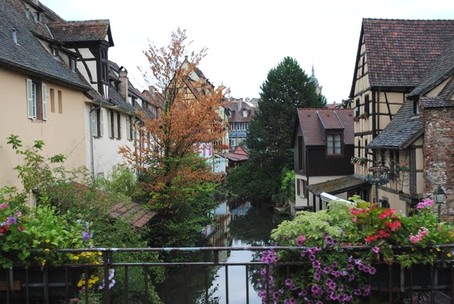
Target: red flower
(395, 225)
(386, 213)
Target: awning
(338, 185)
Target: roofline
(19, 68)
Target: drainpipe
(92, 149)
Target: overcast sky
(245, 38)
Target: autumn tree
(175, 181)
(286, 88)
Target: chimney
(123, 85)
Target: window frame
(333, 150)
(37, 99)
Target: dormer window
(72, 64)
(245, 113)
(334, 144)
(37, 17)
(416, 107)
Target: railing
(134, 277)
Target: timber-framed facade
(392, 58)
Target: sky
(245, 39)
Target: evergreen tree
(286, 88)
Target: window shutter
(128, 128)
(109, 123)
(101, 122)
(44, 100)
(94, 126)
(31, 106)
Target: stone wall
(439, 153)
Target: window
(36, 100)
(416, 107)
(60, 102)
(334, 144)
(52, 100)
(96, 122)
(356, 107)
(366, 104)
(129, 128)
(114, 126)
(72, 64)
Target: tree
(175, 180)
(286, 88)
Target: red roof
(314, 123)
(133, 213)
(399, 52)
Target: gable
(315, 122)
(399, 52)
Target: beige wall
(62, 132)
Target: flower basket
(52, 284)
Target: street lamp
(439, 199)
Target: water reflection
(239, 225)
(250, 225)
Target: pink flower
(4, 206)
(425, 203)
(300, 240)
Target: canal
(239, 225)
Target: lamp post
(439, 199)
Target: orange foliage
(189, 117)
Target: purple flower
(376, 249)
(11, 220)
(372, 270)
(316, 264)
(86, 235)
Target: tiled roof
(239, 154)
(439, 72)
(338, 185)
(401, 131)
(29, 55)
(399, 52)
(133, 213)
(118, 101)
(236, 113)
(314, 122)
(77, 31)
(436, 102)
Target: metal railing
(136, 270)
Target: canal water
(239, 225)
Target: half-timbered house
(392, 58)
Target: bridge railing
(128, 275)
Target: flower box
(21, 284)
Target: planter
(40, 285)
(419, 277)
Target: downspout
(92, 149)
